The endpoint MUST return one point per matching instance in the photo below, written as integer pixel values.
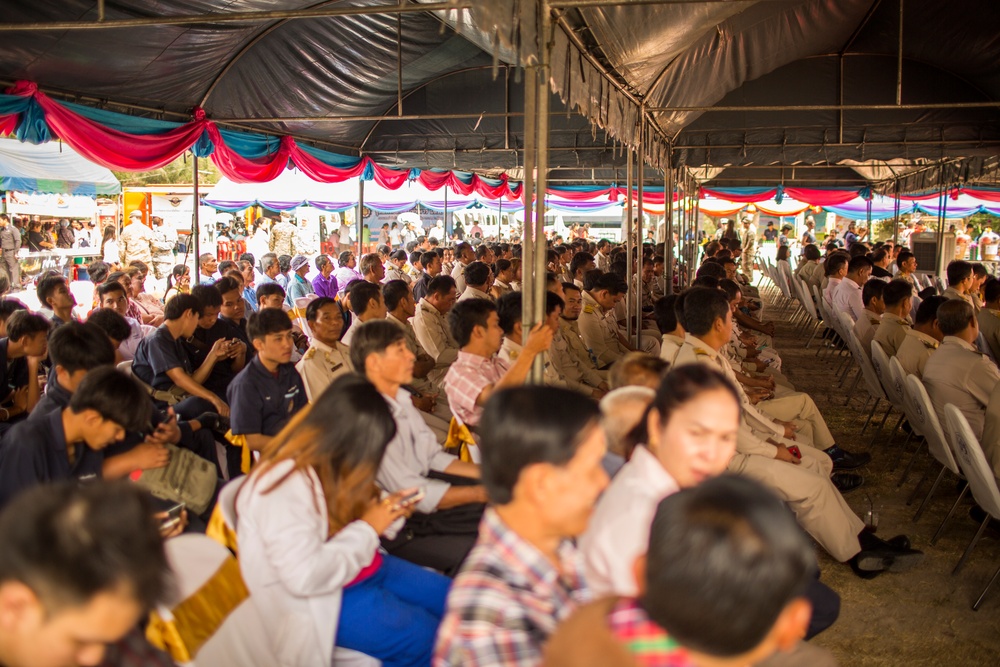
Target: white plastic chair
(927, 420)
(880, 362)
(200, 564)
(981, 480)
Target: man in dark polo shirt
(70, 443)
(233, 312)
(21, 354)
(210, 330)
(268, 392)
(162, 362)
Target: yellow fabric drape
(199, 617)
(459, 438)
(219, 531)
(246, 459)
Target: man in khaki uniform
(430, 324)
(864, 328)
(464, 255)
(282, 241)
(597, 324)
(804, 483)
(136, 241)
(961, 278)
(922, 339)
(989, 317)
(327, 358)
(164, 240)
(990, 441)
(957, 372)
(478, 279)
(568, 351)
(891, 330)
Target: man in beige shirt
(922, 339)
(430, 324)
(464, 255)
(327, 358)
(478, 279)
(990, 441)
(597, 324)
(864, 328)
(136, 241)
(961, 278)
(673, 332)
(891, 330)
(804, 483)
(957, 372)
(989, 317)
(569, 354)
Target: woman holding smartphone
(309, 522)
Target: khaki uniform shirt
(393, 272)
(164, 240)
(669, 347)
(915, 351)
(865, 328)
(473, 293)
(571, 352)
(510, 351)
(952, 293)
(959, 374)
(458, 273)
(579, 375)
(603, 262)
(431, 330)
(321, 365)
(991, 432)
(600, 332)
(500, 288)
(890, 333)
(989, 327)
(748, 441)
(136, 243)
(282, 240)
(420, 384)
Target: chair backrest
(898, 378)
(972, 461)
(926, 419)
(872, 381)
(227, 501)
(212, 621)
(880, 362)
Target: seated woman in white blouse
(309, 522)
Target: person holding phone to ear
(309, 521)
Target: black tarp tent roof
(823, 62)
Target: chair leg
(927, 498)
(902, 451)
(951, 512)
(909, 466)
(972, 545)
(982, 595)
(916, 488)
(881, 424)
(870, 414)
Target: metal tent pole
(360, 221)
(629, 243)
(541, 166)
(668, 227)
(636, 274)
(196, 218)
(528, 248)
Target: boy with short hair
(70, 442)
(53, 293)
(267, 393)
(162, 362)
(21, 353)
(79, 567)
(112, 295)
(270, 295)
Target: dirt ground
(925, 616)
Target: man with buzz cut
(80, 566)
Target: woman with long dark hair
(178, 282)
(309, 522)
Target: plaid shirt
(648, 643)
(507, 600)
(466, 379)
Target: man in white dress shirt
(444, 528)
(847, 294)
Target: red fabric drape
(739, 197)
(821, 197)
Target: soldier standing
(283, 238)
(10, 243)
(136, 241)
(164, 240)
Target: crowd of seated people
(402, 489)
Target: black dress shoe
(886, 558)
(844, 460)
(846, 481)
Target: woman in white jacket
(309, 520)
